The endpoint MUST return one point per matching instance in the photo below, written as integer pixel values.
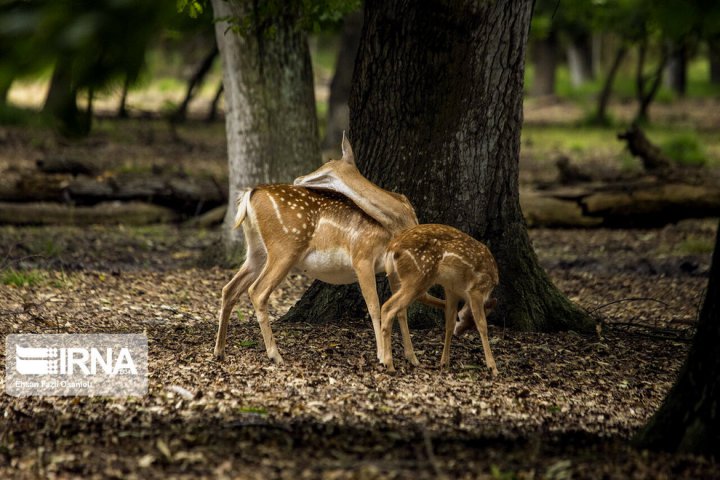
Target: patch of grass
(21, 278)
(685, 149)
(698, 83)
(24, 117)
(255, 410)
(498, 474)
(695, 245)
(248, 343)
(545, 142)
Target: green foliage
(20, 278)
(194, 8)
(685, 149)
(309, 15)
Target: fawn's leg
(451, 304)
(397, 302)
(403, 321)
(478, 311)
(230, 295)
(275, 270)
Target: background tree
(689, 420)
(91, 44)
(544, 48)
(435, 113)
(338, 114)
(271, 121)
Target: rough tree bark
(689, 420)
(338, 116)
(435, 113)
(271, 121)
(545, 59)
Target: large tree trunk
(338, 116)
(61, 99)
(580, 60)
(271, 121)
(435, 113)
(689, 419)
(545, 59)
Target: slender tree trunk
(122, 108)
(580, 60)
(676, 70)
(435, 113)
(271, 121)
(194, 84)
(212, 113)
(714, 53)
(601, 115)
(646, 87)
(545, 59)
(5, 84)
(338, 116)
(689, 419)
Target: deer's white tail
(242, 206)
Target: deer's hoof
(219, 355)
(275, 357)
(413, 360)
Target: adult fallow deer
(323, 234)
(425, 255)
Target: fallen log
(106, 213)
(187, 195)
(642, 203)
(66, 165)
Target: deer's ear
(348, 155)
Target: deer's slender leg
(478, 311)
(403, 320)
(431, 301)
(230, 295)
(275, 270)
(365, 272)
(397, 302)
(451, 304)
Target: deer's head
(392, 210)
(335, 174)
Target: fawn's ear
(348, 155)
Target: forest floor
(563, 405)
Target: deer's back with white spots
(325, 232)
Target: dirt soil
(563, 405)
